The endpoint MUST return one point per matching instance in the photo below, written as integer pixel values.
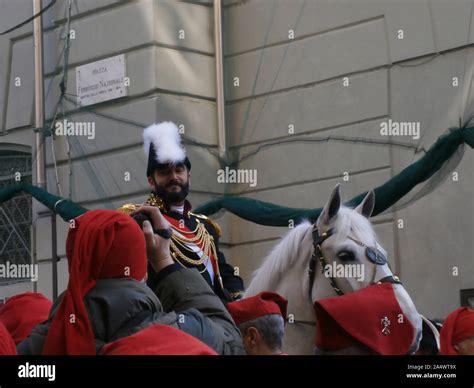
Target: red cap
(257, 306)
(158, 340)
(370, 317)
(19, 323)
(458, 326)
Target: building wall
(299, 82)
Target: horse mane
(281, 257)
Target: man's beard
(171, 198)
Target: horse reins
(373, 254)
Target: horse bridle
(372, 253)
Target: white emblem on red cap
(385, 322)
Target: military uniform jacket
(203, 254)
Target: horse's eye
(346, 256)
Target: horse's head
(349, 252)
(351, 256)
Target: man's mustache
(175, 184)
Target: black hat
(162, 145)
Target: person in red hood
(22, 312)
(7, 345)
(261, 320)
(457, 334)
(104, 245)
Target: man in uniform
(195, 238)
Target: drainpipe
(40, 159)
(39, 95)
(220, 101)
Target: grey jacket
(180, 298)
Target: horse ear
(366, 207)
(332, 206)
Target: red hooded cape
(103, 244)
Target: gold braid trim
(213, 223)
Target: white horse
(285, 270)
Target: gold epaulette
(214, 224)
(128, 208)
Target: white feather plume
(166, 141)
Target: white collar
(178, 209)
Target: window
(15, 214)
(467, 298)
